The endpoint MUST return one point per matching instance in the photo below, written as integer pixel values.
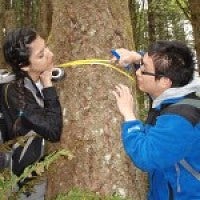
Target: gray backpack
(5, 158)
(5, 77)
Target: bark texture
(2, 10)
(44, 18)
(89, 29)
(7, 22)
(194, 6)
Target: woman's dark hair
(174, 60)
(17, 53)
(16, 50)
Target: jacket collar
(34, 89)
(178, 93)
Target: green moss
(79, 194)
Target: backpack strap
(190, 101)
(30, 137)
(151, 118)
(3, 125)
(190, 169)
(154, 113)
(6, 76)
(190, 112)
(189, 108)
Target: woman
(30, 103)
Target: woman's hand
(125, 102)
(45, 78)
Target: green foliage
(78, 194)
(166, 17)
(9, 181)
(26, 10)
(169, 19)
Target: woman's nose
(50, 52)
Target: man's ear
(166, 82)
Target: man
(167, 146)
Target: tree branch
(185, 11)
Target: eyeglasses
(150, 74)
(139, 66)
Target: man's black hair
(174, 60)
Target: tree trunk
(2, 10)
(44, 18)
(10, 19)
(134, 18)
(90, 29)
(151, 23)
(7, 22)
(27, 13)
(194, 6)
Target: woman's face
(41, 58)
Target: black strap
(171, 195)
(188, 108)
(151, 118)
(153, 113)
(189, 112)
(3, 125)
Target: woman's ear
(25, 69)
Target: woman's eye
(41, 56)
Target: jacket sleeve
(46, 121)
(160, 146)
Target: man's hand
(126, 57)
(124, 102)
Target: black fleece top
(45, 120)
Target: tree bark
(194, 6)
(2, 10)
(27, 15)
(45, 18)
(151, 23)
(10, 19)
(90, 29)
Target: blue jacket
(157, 149)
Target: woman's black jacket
(25, 109)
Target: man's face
(41, 58)
(146, 81)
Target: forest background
(83, 29)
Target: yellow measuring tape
(105, 63)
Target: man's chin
(140, 87)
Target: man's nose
(138, 72)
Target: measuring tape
(105, 63)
